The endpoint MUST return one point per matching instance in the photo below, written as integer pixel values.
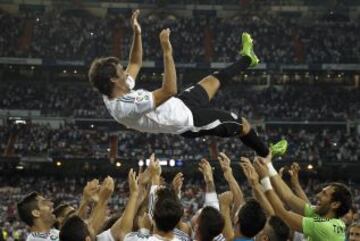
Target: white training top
(105, 236)
(136, 110)
(52, 235)
(144, 235)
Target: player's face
(122, 76)
(45, 211)
(354, 234)
(323, 202)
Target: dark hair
(343, 195)
(279, 230)
(59, 210)
(26, 206)
(167, 214)
(166, 193)
(211, 223)
(100, 73)
(74, 229)
(252, 218)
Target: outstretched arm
(124, 224)
(294, 173)
(136, 52)
(233, 184)
(253, 179)
(295, 203)
(169, 85)
(293, 220)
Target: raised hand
(133, 182)
(165, 40)
(225, 165)
(177, 182)
(106, 189)
(154, 166)
(206, 170)
(91, 191)
(135, 23)
(249, 171)
(261, 167)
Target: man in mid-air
(164, 110)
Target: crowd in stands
(78, 35)
(287, 103)
(70, 141)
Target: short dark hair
(166, 192)
(59, 210)
(343, 195)
(26, 206)
(100, 73)
(252, 218)
(211, 223)
(279, 230)
(74, 229)
(167, 214)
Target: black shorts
(208, 120)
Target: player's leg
(212, 122)
(212, 83)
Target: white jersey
(52, 235)
(136, 110)
(105, 236)
(146, 236)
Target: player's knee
(245, 127)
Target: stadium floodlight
(58, 163)
(141, 163)
(118, 164)
(172, 162)
(310, 167)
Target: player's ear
(35, 213)
(335, 205)
(113, 79)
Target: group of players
(154, 211)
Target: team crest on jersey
(142, 98)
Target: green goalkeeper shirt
(316, 228)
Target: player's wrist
(272, 170)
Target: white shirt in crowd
(136, 110)
(105, 236)
(52, 235)
(144, 235)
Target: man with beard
(318, 223)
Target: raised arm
(124, 224)
(98, 215)
(90, 193)
(169, 85)
(253, 179)
(211, 198)
(295, 203)
(293, 220)
(238, 195)
(226, 199)
(295, 183)
(136, 52)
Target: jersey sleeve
(138, 103)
